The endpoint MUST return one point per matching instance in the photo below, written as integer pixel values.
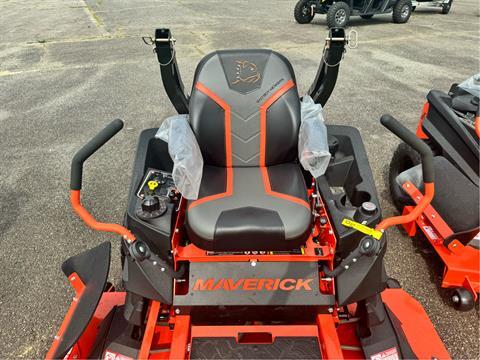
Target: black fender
(88, 274)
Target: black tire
(403, 159)
(393, 284)
(302, 12)
(462, 299)
(366, 16)
(338, 15)
(413, 8)
(402, 11)
(446, 7)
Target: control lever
(368, 246)
(76, 181)
(140, 251)
(428, 171)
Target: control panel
(156, 190)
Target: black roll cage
(320, 90)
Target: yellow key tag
(362, 228)
(152, 185)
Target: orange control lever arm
(411, 216)
(427, 171)
(93, 223)
(76, 180)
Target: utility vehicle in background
(339, 12)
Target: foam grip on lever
(88, 149)
(417, 144)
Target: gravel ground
(69, 67)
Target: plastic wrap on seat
(312, 138)
(472, 85)
(185, 153)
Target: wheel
(403, 159)
(402, 11)
(413, 8)
(446, 7)
(302, 12)
(338, 15)
(393, 283)
(462, 299)
(366, 16)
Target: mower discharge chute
(268, 262)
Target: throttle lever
(140, 251)
(368, 246)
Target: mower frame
(462, 263)
(171, 300)
(169, 329)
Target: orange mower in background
(269, 261)
(450, 126)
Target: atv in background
(339, 12)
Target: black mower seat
(456, 198)
(245, 113)
(250, 218)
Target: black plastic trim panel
(347, 183)
(151, 153)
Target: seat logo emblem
(246, 72)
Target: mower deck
(461, 261)
(178, 337)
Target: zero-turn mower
(450, 126)
(268, 262)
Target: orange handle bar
(76, 180)
(413, 215)
(427, 170)
(94, 224)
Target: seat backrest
(245, 108)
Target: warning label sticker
(110, 355)
(389, 354)
(430, 232)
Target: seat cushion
(250, 208)
(456, 198)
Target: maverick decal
(252, 284)
(266, 283)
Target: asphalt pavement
(68, 67)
